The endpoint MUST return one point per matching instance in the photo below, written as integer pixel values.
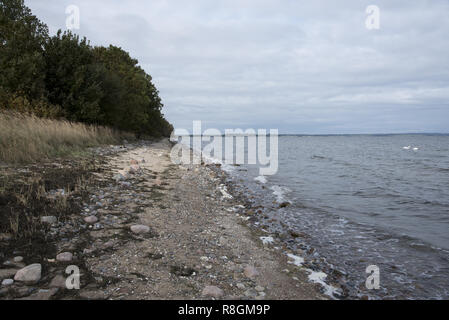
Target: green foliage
(65, 76)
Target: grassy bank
(26, 138)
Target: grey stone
(49, 219)
(64, 257)
(212, 291)
(31, 273)
(91, 219)
(7, 282)
(140, 229)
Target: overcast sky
(298, 66)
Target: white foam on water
(297, 261)
(267, 240)
(224, 191)
(280, 192)
(261, 179)
(320, 277)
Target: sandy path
(195, 240)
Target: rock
(259, 288)
(29, 274)
(284, 204)
(240, 286)
(58, 282)
(49, 219)
(140, 229)
(64, 257)
(250, 272)
(18, 259)
(91, 219)
(7, 273)
(212, 291)
(133, 162)
(7, 282)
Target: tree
(22, 39)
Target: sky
(308, 67)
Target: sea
(358, 201)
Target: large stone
(64, 257)
(29, 274)
(49, 219)
(250, 272)
(140, 229)
(7, 273)
(212, 291)
(91, 219)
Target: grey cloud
(300, 66)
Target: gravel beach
(150, 229)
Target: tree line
(63, 76)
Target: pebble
(140, 229)
(31, 273)
(91, 219)
(250, 272)
(49, 219)
(7, 282)
(64, 257)
(240, 286)
(212, 291)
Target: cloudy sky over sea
(299, 66)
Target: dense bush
(63, 76)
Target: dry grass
(27, 138)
